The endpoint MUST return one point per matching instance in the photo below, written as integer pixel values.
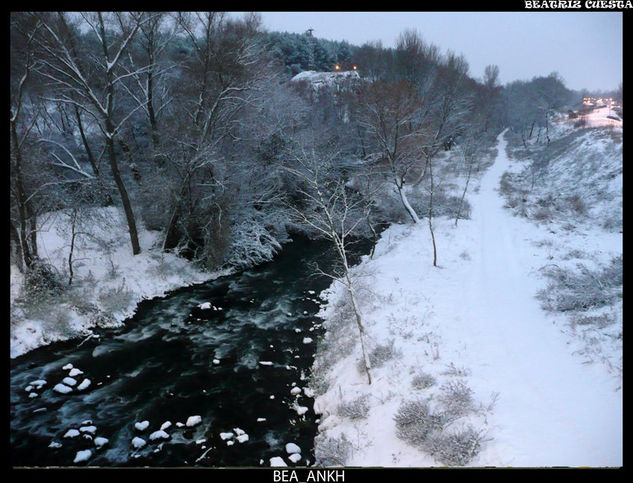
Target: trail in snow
(552, 409)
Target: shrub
(582, 290)
(331, 451)
(355, 409)
(116, 299)
(415, 422)
(379, 355)
(422, 381)
(456, 399)
(457, 448)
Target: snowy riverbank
(108, 281)
(470, 332)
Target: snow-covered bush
(379, 355)
(457, 448)
(456, 399)
(584, 289)
(415, 422)
(331, 451)
(115, 299)
(422, 381)
(355, 409)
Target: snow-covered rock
(88, 429)
(242, 438)
(226, 435)
(307, 340)
(292, 448)
(83, 385)
(138, 443)
(165, 425)
(277, 461)
(160, 434)
(62, 389)
(265, 363)
(100, 441)
(75, 372)
(294, 457)
(69, 381)
(205, 306)
(83, 455)
(67, 367)
(55, 445)
(295, 391)
(71, 433)
(193, 420)
(141, 425)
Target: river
(231, 351)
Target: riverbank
(108, 281)
(468, 368)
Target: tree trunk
(359, 324)
(406, 204)
(431, 215)
(28, 253)
(125, 200)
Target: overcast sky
(585, 48)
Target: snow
(149, 274)
(193, 420)
(138, 443)
(242, 438)
(266, 363)
(294, 457)
(67, 367)
(84, 385)
(165, 425)
(160, 434)
(71, 433)
(295, 391)
(239, 431)
(277, 461)
(307, 340)
(227, 435)
(319, 80)
(292, 448)
(83, 455)
(32, 395)
(205, 306)
(142, 425)
(88, 429)
(75, 372)
(477, 310)
(261, 420)
(62, 389)
(55, 445)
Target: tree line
(189, 123)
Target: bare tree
(22, 119)
(335, 214)
(96, 90)
(390, 114)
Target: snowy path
(552, 410)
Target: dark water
(160, 367)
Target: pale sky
(585, 48)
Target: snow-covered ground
(108, 283)
(474, 322)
